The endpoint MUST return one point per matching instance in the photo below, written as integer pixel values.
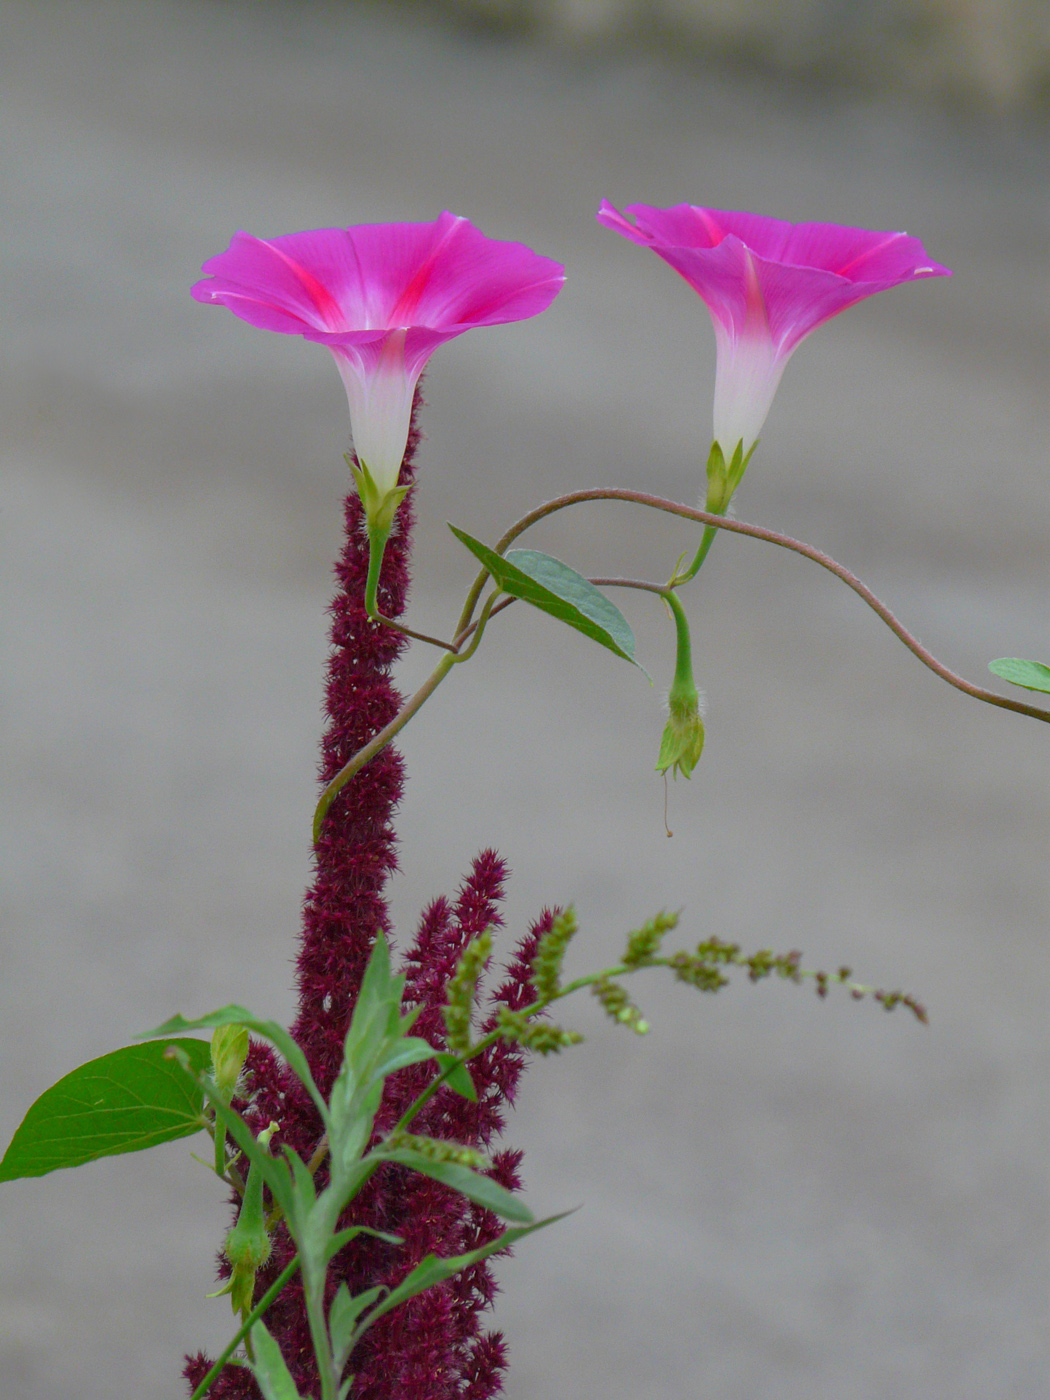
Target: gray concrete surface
(781, 1198)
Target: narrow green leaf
(554, 588)
(269, 1369)
(1032, 675)
(122, 1102)
(342, 1317)
(343, 1237)
(269, 1030)
(400, 1053)
(379, 999)
(276, 1171)
(480, 1189)
(459, 1080)
(433, 1270)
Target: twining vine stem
(469, 631)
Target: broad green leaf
(459, 1080)
(269, 1030)
(554, 588)
(342, 1317)
(480, 1189)
(1032, 675)
(122, 1102)
(269, 1369)
(434, 1270)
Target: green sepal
(380, 506)
(682, 742)
(125, 1101)
(723, 478)
(1030, 675)
(717, 480)
(558, 590)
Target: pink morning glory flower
(767, 284)
(382, 297)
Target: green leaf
(408, 1051)
(459, 1080)
(343, 1237)
(1032, 675)
(433, 1270)
(122, 1102)
(269, 1369)
(276, 1171)
(480, 1189)
(269, 1030)
(554, 588)
(342, 1317)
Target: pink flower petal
(382, 297)
(767, 285)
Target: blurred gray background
(781, 1198)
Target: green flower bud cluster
(461, 991)
(543, 1037)
(695, 972)
(437, 1150)
(643, 943)
(546, 965)
(619, 1005)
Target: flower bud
(683, 737)
(229, 1050)
(248, 1244)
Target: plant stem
(708, 539)
(253, 1317)
(759, 532)
(714, 523)
(313, 1293)
(380, 741)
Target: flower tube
(767, 285)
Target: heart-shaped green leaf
(554, 588)
(1032, 675)
(122, 1102)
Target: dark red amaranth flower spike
(345, 905)
(433, 1347)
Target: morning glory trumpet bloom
(767, 285)
(382, 298)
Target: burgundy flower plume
(382, 297)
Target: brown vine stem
(467, 627)
(759, 532)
